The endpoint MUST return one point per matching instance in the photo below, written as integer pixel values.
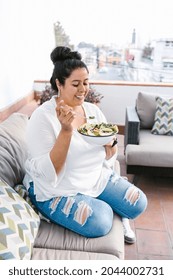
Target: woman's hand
(65, 115)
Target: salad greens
(102, 129)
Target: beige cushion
(13, 148)
(153, 150)
(146, 107)
(56, 242)
(51, 236)
(163, 121)
(52, 254)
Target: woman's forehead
(79, 74)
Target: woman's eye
(84, 84)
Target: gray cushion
(52, 254)
(146, 107)
(13, 148)
(51, 236)
(146, 153)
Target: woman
(70, 181)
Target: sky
(112, 21)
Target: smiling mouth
(80, 97)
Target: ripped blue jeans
(93, 217)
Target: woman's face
(76, 87)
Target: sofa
(24, 233)
(148, 137)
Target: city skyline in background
(112, 22)
(27, 35)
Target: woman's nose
(81, 88)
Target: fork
(89, 118)
(80, 115)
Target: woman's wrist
(67, 130)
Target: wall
(26, 34)
(118, 97)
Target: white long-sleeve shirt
(85, 171)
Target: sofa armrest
(132, 127)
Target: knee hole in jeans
(82, 213)
(54, 203)
(132, 195)
(68, 206)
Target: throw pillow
(163, 122)
(146, 107)
(23, 192)
(13, 148)
(18, 225)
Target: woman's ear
(58, 87)
(57, 83)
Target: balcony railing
(119, 94)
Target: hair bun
(63, 53)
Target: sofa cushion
(53, 254)
(146, 107)
(13, 148)
(163, 122)
(52, 236)
(153, 150)
(18, 225)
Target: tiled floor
(154, 228)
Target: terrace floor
(154, 228)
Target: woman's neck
(79, 109)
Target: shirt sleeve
(42, 132)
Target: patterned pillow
(22, 191)
(18, 225)
(163, 121)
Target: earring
(58, 88)
(59, 93)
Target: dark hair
(65, 61)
